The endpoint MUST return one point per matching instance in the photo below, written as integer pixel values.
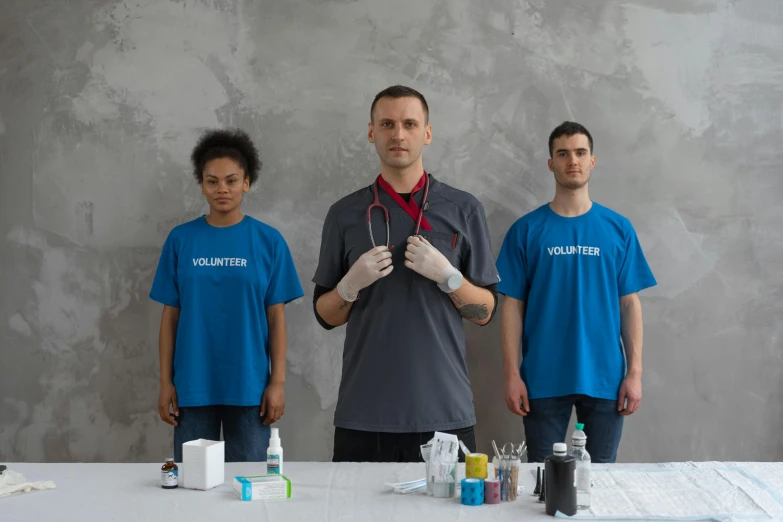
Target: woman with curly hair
(223, 280)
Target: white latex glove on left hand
(426, 260)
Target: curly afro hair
(226, 143)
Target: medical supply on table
(472, 492)
(583, 480)
(262, 487)
(476, 465)
(203, 464)
(377, 203)
(12, 482)
(518, 487)
(408, 487)
(508, 471)
(542, 494)
(496, 460)
(442, 469)
(537, 490)
(505, 478)
(521, 449)
(274, 454)
(169, 475)
(492, 491)
(560, 486)
(688, 491)
(426, 452)
(509, 479)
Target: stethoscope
(377, 203)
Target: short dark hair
(400, 91)
(568, 129)
(226, 143)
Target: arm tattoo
(469, 311)
(474, 311)
(345, 305)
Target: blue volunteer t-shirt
(571, 273)
(222, 280)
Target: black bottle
(560, 482)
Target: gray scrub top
(404, 367)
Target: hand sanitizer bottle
(274, 455)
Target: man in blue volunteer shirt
(403, 283)
(223, 279)
(570, 272)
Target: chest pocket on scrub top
(450, 245)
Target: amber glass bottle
(169, 476)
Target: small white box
(204, 464)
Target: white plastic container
(203, 463)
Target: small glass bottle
(169, 475)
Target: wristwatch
(453, 282)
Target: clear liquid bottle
(583, 479)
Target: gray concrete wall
(100, 103)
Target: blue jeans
(246, 437)
(547, 423)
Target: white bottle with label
(274, 454)
(583, 479)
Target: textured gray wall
(100, 103)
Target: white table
(320, 491)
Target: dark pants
(246, 437)
(374, 446)
(547, 423)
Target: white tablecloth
(320, 491)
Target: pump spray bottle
(274, 454)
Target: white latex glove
(425, 259)
(12, 482)
(371, 266)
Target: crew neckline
(240, 222)
(571, 219)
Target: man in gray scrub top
(404, 295)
